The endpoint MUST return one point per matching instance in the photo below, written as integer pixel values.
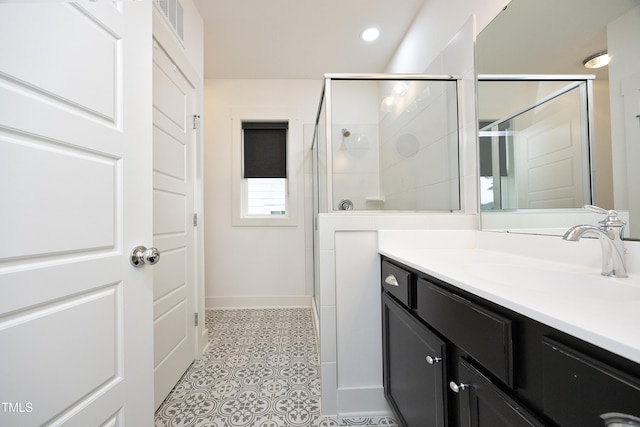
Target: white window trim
(294, 159)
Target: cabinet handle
(391, 280)
(433, 360)
(614, 419)
(457, 388)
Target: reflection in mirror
(552, 37)
(534, 142)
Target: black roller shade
(265, 149)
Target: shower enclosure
(535, 141)
(387, 142)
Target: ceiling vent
(173, 12)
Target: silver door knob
(457, 388)
(432, 360)
(140, 256)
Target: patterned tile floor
(261, 370)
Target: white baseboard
(204, 341)
(258, 302)
(362, 402)
(316, 322)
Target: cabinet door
(413, 368)
(482, 404)
(579, 390)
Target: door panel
(173, 183)
(171, 212)
(91, 86)
(75, 316)
(55, 335)
(550, 154)
(483, 404)
(78, 217)
(169, 155)
(578, 389)
(413, 387)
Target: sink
(555, 281)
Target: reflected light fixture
(388, 103)
(598, 60)
(400, 89)
(370, 34)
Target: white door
(549, 158)
(631, 94)
(75, 187)
(173, 233)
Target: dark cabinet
(579, 390)
(484, 335)
(413, 368)
(396, 282)
(483, 404)
(453, 359)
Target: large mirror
(554, 37)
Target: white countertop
(567, 295)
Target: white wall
(622, 39)
(252, 266)
(601, 167)
(435, 27)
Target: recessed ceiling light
(370, 34)
(596, 61)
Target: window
(264, 189)
(264, 161)
(266, 196)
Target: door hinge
(195, 319)
(195, 121)
(195, 219)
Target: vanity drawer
(578, 389)
(396, 281)
(482, 334)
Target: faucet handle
(611, 220)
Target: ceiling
(304, 39)
(300, 39)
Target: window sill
(265, 221)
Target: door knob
(457, 388)
(432, 360)
(140, 256)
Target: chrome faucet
(610, 234)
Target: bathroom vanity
(457, 353)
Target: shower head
(346, 133)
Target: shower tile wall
(419, 148)
(355, 158)
(402, 159)
(355, 164)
